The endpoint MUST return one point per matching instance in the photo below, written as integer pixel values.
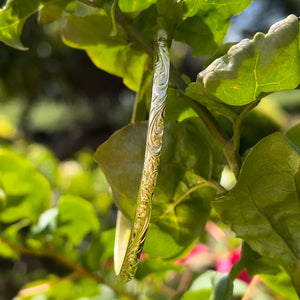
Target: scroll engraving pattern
(151, 163)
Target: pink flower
(197, 249)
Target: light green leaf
(263, 207)
(205, 31)
(205, 285)
(281, 284)
(76, 218)
(8, 252)
(111, 54)
(27, 192)
(134, 5)
(184, 187)
(250, 69)
(195, 92)
(13, 17)
(44, 160)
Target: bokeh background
(53, 95)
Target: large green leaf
(13, 17)
(112, 54)
(190, 160)
(250, 69)
(27, 193)
(76, 218)
(134, 5)
(53, 11)
(263, 208)
(205, 31)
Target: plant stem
(78, 269)
(232, 156)
(133, 33)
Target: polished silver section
(150, 170)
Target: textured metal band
(151, 163)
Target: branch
(76, 268)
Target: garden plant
(226, 167)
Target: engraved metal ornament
(127, 268)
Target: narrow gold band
(127, 258)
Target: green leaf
(205, 31)
(293, 135)
(8, 252)
(197, 295)
(263, 207)
(53, 11)
(44, 160)
(205, 285)
(181, 201)
(172, 12)
(13, 17)
(195, 92)
(281, 284)
(155, 267)
(134, 5)
(27, 193)
(250, 70)
(111, 54)
(101, 249)
(224, 288)
(76, 218)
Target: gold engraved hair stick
(127, 258)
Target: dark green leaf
(112, 54)
(181, 201)
(13, 17)
(263, 208)
(53, 11)
(172, 12)
(223, 289)
(76, 218)
(205, 31)
(154, 267)
(27, 193)
(250, 68)
(101, 249)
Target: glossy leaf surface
(110, 53)
(184, 186)
(249, 69)
(205, 31)
(266, 210)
